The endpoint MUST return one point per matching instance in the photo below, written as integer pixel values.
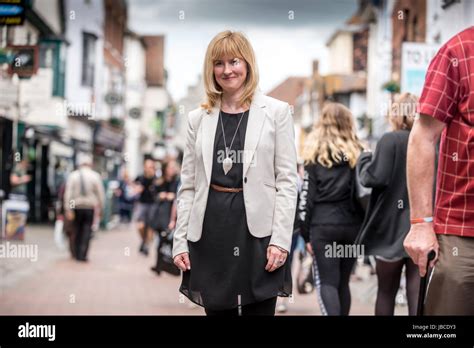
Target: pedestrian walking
(329, 212)
(19, 180)
(237, 201)
(127, 194)
(84, 193)
(144, 208)
(163, 222)
(387, 220)
(446, 111)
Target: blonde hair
(333, 139)
(402, 112)
(233, 44)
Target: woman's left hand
(276, 258)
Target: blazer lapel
(208, 129)
(254, 129)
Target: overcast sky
(284, 46)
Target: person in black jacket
(387, 221)
(330, 220)
(164, 221)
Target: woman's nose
(227, 69)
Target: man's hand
(276, 258)
(182, 261)
(172, 224)
(419, 242)
(26, 178)
(309, 249)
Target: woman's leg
(226, 312)
(388, 276)
(266, 307)
(347, 265)
(327, 278)
(413, 285)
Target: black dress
(228, 263)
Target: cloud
(284, 47)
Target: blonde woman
(388, 215)
(237, 200)
(330, 218)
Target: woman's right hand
(182, 261)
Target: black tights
(388, 276)
(266, 307)
(333, 272)
(332, 280)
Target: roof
(289, 90)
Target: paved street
(117, 280)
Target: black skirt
(228, 263)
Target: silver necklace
(227, 163)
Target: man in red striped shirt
(446, 110)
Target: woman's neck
(231, 102)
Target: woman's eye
(236, 61)
(217, 63)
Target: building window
(88, 59)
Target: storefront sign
(12, 12)
(25, 60)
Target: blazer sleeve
(285, 180)
(306, 204)
(376, 171)
(185, 196)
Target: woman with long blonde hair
(330, 218)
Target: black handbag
(160, 216)
(165, 254)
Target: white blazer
(269, 173)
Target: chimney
(155, 71)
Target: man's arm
(16, 180)
(420, 178)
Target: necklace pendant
(227, 165)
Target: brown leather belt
(226, 189)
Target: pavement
(117, 280)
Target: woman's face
(230, 73)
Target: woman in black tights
(387, 221)
(330, 219)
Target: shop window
(88, 59)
